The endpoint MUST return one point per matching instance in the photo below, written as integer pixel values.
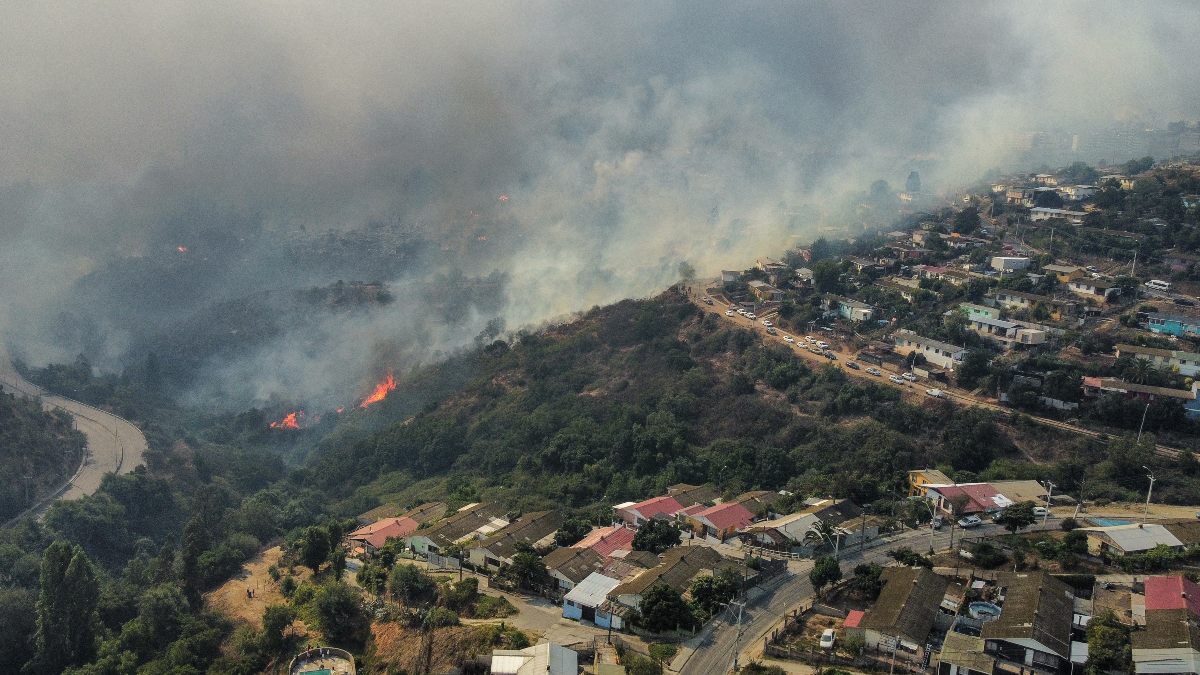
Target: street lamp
(1143, 424)
(1049, 494)
(1150, 475)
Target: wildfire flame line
(289, 421)
(380, 392)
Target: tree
(17, 615)
(314, 547)
(966, 220)
(1078, 173)
(825, 571)
(411, 586)
(66, 609)
(276, 619)
(1108, 646)
(340, 614)
(822, 533)
(572, 530)
(827, 276)
(664, 609)
(655, 536)
(687, 272)
(1136, 166)
(974, 368)
(1017, 517)
(710, 593)
(337, 563)
(527, 570)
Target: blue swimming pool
(1110, 522)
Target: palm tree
(822, 532)
(1140, 371)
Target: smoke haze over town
(498, 165)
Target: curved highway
(114, 445)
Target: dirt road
(114, 445)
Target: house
(765, 292)
(1006, 333)
(963, 654)
(895, 285)
(1033, 630)
(636, 514)
(784, 532)
(676, 569)
(1121, 540)
(544, 659)
(721, 521)
(804, 277)
(920, 479)
(1170, 642)
(1005, 264)
(473, 521)
(1094, 288)
(962, 499)
(947, 274)
(908, 252)
(1038, 214)
(1078, 192)
(1184, 363)
(608, 541)
(861, 264)
(1017, 491)
(973, 310)
(759, 502)
(370, 538)
(585, 601)
(770, 265)
(688, 495)
(851, 310)
(569, 565)
(532, 529)
(1099, 386)
(905, 610)
(1010, 299)
(939, 353)
(1064, 273)
(1019, 195)
(731, 276)
(1045, 179)
(427, 512)
(1173, 324)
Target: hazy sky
(615, 128)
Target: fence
(442, 562)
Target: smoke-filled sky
(627, 136)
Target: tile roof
(726, 515)
(690, 495)
(451, 529)
(376, 534)
(1167, 629)
(526, 530)
(677, 568)
(572, 563)
(657, 506)
(1172, 592)
(853, 618)
(1036, 607)
(966, 652)
(908, 603)
(979, 496)
(608, 540)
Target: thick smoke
(625, 137)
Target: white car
(874, 371)
(970, 521)
(827, 638)
(1040, 511)
(752, 316)
(909, 376)
(897, 380)
(741, 311)
(936, 393)
(729, 312)
(822, 344)
(809, 338)
(789, 339)
(767, 323)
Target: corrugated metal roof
(592, 591)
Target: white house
(1039, 213)
(1185, 363)
(1009, 263)
(939, 353)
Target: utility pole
(737, 636)
(1049, 494)
(1052, 241)
(1133, 272)
(1143, 424)
(1150, 475)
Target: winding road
(114, 445)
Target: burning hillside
(381, 391)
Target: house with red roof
(370, 538)
(637, 514)
(606, 541)
(721, 521)
(1170, 642)
(967, 498)
(1174, 592)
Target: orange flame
(289, 421)
(381, 391)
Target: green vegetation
(825, 571)
(38, 451)
(656, 536)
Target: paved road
(114, 445)
(714, 648)
(911, 392)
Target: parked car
(822, 344)
(909, 376)
(874, 371)
(767, 323)
(829, 355)
(752, 316)
(789, 339)
(810, 339)
(897, 380)
(741, 311)
(937, 522)
(852, 365)
(708, 300)
(828, 638)
(1041, 511)
(771, 330)
(936, 393)
(969, 521)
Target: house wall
(571, 610)
(420, 544)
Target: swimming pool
(1110, 522)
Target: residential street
(711, 652)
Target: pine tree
(66, 609)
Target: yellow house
(919, 479)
